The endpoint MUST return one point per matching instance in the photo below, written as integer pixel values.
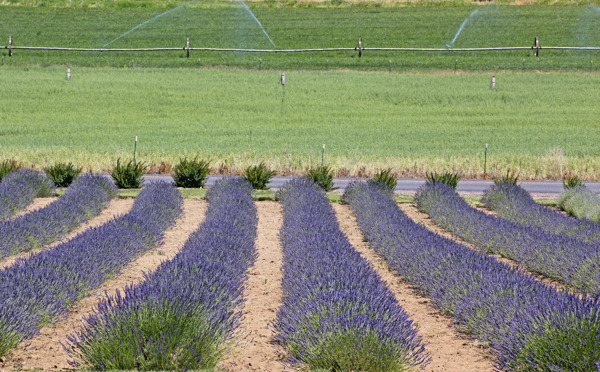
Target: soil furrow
(115, 208)
(450, 350)
(256, 350)
(45, 350)
(38, 203)
(420, 217)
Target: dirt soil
(450, 350)
(417, 216)
(256, 350)
(45, 351)
(115, 208)
(38, 203)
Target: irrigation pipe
(291, 50)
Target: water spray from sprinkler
(257, 21)
(462, 26)
(146, 22)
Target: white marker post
(493, 82)
(134, 149)
(282, 89)
(69, 74)
(485, 163)
(323, 156)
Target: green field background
(414, 112)
(540, 124)
(227, 24)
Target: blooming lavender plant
(84, 199)
(530, 326)
(567, 259)
(337, 314)
(581, 203)
(19, 188)
(184, 314)
(514, 203)
(38, 290)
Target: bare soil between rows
(115, 208)
(420, 217)
(45, 351)
(256, 349)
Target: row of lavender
(19, 188)
(580, 202)
(337, 314)
(529, 325)
(567, 259)
(38, 290)
(513, 203)
(84, 199)
(184, 314)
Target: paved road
(410, 185)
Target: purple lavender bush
(84, 199)
(19, 188)
(38, 290)
(581, 203)
(560, 257)
(514, 203)
(529, 326)
(337, 313)
(183, 316)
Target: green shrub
(323, 176)
(570, 182)
(8, 166)
(191, 173)
(385, 177)
(258, 176)
(510, 178)
(129, 176)
(449, 178)
(580, 202)
(62, 174)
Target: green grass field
(414, 112)
(541, 124)
(227, 24)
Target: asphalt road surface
(410, 185)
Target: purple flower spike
(557, 256)
(183, 316)
(38, 290)
(337, 313)
(514, 203)
(19, 188)
(84, 199)
(529, 325)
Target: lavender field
(335, 311)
